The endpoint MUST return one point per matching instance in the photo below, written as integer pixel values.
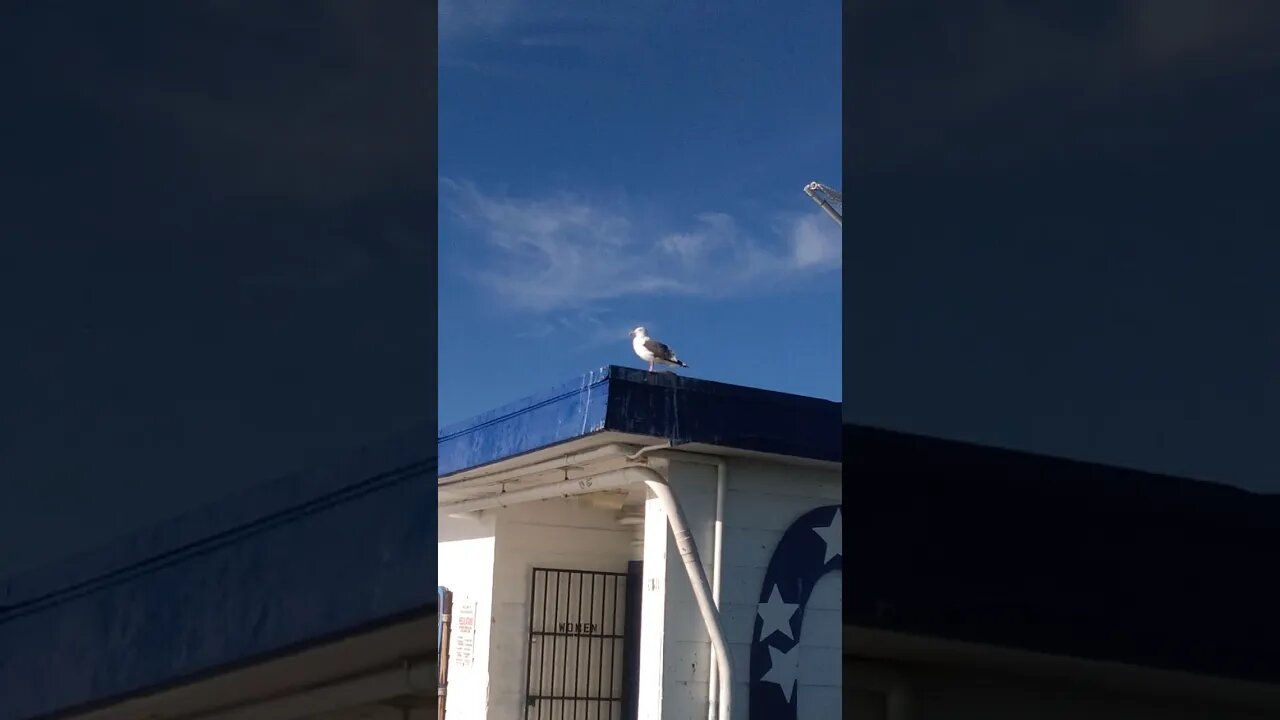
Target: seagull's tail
(679, 362)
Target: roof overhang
(985, 545)
(226, 585)
(391, 664)
(591, 455)
(900, 648)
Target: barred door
(576, 659)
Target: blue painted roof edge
(247, 570)
(247, 662)
(692, 410)
(586, 381)
(325, 477)
(1161, 552)
(565, 412)
(682, 409)
(236, 599)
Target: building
(311, 596)
(577, 530)
(996, 584)
(579, 526)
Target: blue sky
(645, 165)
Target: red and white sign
(464, 633)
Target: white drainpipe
(722, 475)
(657, 484)
(697, 578)
(722, 479)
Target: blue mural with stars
(808, 550)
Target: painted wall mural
(808, 550)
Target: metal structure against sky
(830, 200)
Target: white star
(776, 615)
(783, 668)
(832, 535)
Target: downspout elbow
(697, 576)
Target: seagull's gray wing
(660, 351)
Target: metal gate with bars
(576, 648)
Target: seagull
(653, 351)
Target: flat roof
(1040, 553)
(637, 402)
(227, 584)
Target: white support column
(653, 610)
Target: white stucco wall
(761, 502)
(465, 554)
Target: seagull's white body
(637, 344)
(652, 351)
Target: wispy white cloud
(457, 17)
(568, 251)
(556, 40)
(589, 327)
(814, 242)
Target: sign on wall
(464, 633)
(808, 550)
